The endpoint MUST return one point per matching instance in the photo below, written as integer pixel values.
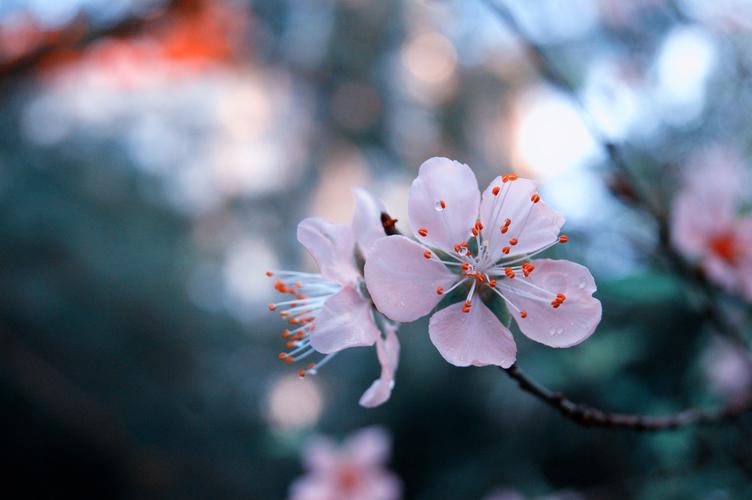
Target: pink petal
(534, 225)
(369, 447)
(696, 219)
(441, 179)
(320, 454)
(366, 223)
(332, 247)
(569, 324)
(476, 338)
(387, 350)
(401, 281)
(345, 321)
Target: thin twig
(588, 416)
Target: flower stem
(588, 416)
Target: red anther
(465, 266)
(311, 366)
(282, 355)
(523, 314)
(298, 336)
(423, 232)
(492, 283)
(535, 198)
(468, 303)
(463, 244)
(496, 190)
(300, 297)
(480, 277)
(427, 254)
(478, 224)
(439, 291)
(509, 272)
(555, 304)
(293, 321)
(504, 229)
(513, 177)
(513, 241)
(286, 333)
(505, 178)
(475, 231)
(289, 359)
(465, 309)
(505, 250)
(457, 247)
(301, 373)
(290, 344)
(442, 203)
(272, 307)
(563, 238)
(561, 297)
(269, 273)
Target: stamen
(272, 307)
(440, 291)
(269, 273)
(423, 232)
(563, 238)
(496, 190)
(535, 198)
(505, 250)
(427, 254)
(509, 272)
(513, 241)
(282, 355)
(523, 314)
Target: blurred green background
(156, 156)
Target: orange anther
(423, 232)
(561, 297)
(301, 373)
(272, 307)
(439, 291)
(512, 177)
(457, 247)
(290, 344)
(289, 359)
(300, 297)
(505, 250)
(442, 203)
(504, 178)
(427, 254)
(475, 231)
(523, 314)
(535, 198)
(504, 229)
(492, 283)
(311, 366)
(513, 241)
(282, 355)
(465, 266)
(286, 333)
(555, 304)
(468, 303)
(269, 273)
(509, 272)
(507, 221)
(563, 238)
(495, 190)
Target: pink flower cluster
(479, 246)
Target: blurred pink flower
(707, 225)
(353, 471)
(487, 242)
(328, 311)
(727, 369)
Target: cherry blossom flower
(727, 369)
(328, 311)
(485, 242)
(353, 471)
(707, 226)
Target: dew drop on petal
(552, 331)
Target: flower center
(725, 246)
(347, 478)
(309, 292)
(476, 262)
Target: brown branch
(638, 194)
(588, 416)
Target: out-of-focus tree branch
(79, 33)
(641, 196)
(588, 416)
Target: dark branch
(587, 416)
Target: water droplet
(559, 331)
(438, 206)
(552, 331)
